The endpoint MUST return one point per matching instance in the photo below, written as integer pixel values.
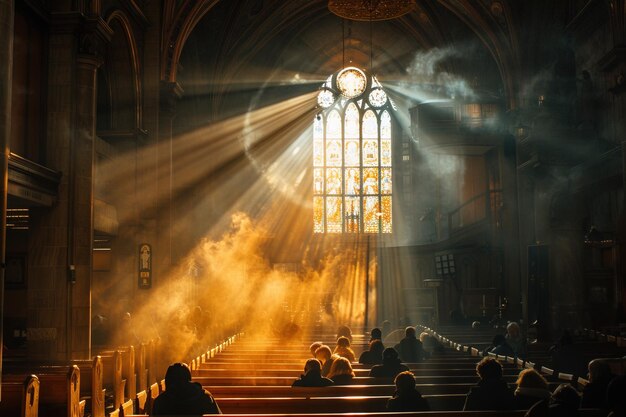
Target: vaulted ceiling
(216, 46)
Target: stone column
(6, 67)
(81, 194)
(61, 240)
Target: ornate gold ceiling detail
(366, 10)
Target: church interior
(190, 170)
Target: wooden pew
(59, 391)
(295, 373)
(336, 391)
(277, 405)
(268, 380)
(112, 376)
(583, 413)
(141, 368)
(20, 399)
(90, 379)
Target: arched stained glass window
(352, 164)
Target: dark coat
(312, 379)
(189, 398)
(489, 394)
(371, 358)
(388, 369)
(523, 400)
(410, 350)
(412, 401)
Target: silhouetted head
(390, 354)
(343, 342)
(529, 378)
(312, 365)
(177, 374)
(489, 368)
(376, 333)
(323, 353)
(598, 369)
(513, 330)
(376, 346)
(341, 366)
(409, 331)
(405, 381)
(314, 347)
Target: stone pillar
(6, 67)
(171, 92)
(61, 240)
(81, 203)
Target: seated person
(390, 367)
(532, 387)
(343, 349)
(406, 397)
(181, 396)
(312, 376)
(564, 402)
(410, 349)
(499, 347)
(341, 372)
(374, 355)
(594, 393)
(491, 392)
(324, 355)
(515, 340)
(376, 333)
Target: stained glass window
(352, 156)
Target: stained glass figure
(318, 181)
(333, 181)
(370, 181)
(353, 181)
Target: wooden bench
(268, 380)
(273, 405)
(90, 379)
(20, 399)
(335, 391)
(59, 392)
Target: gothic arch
(118, 19)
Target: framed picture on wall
(15, 272)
